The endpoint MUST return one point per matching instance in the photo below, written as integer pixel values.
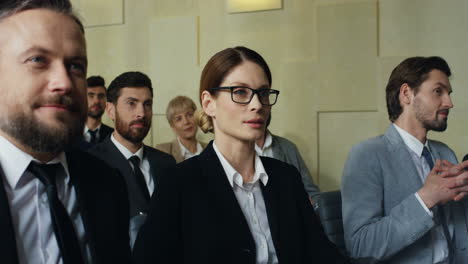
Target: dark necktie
(440, 214)
(140, 179)
(93, 134)
(427, 155)
(64, 230)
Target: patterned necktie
(139, 177)
(64, 230)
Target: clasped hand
(445, 182)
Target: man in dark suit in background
(53, 209)
(130, 106)
(95, 131)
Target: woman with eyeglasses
(228, 205)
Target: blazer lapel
(8, 241)
(276, 148)
(117, 159)
(224, 199)
(153, 161)
(402, 162)
(175, 151)
(272, 196)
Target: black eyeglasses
(243, 95)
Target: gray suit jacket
(287, 151)
(382, 218)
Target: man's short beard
(135, 136)
(96, 115)
(40, 137)
(434, 124)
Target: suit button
(142, 213)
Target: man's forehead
(97, 89)
(129, 91)
(439, 78)
(40, 28)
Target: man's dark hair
(94, 81)
(412, 71)
(11, 7)
(127, 79)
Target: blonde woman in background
(180, 114)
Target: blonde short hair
(179, 104)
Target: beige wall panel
(174, 59)
(169, 8)
(294, 115)
(338, 132)
(347, 36)
(100, 13)
(212, 29)
(421, 27)
(108, 52)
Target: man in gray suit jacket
(402, 194)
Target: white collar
(411, 141)
(86, 128)
(125, 152)
(234, 176)
(14, 162)
(185, 151)
(266, 144)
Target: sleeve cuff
(429, 212)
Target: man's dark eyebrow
(444, 86)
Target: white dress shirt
(250, 198)
(267, 150)
(87, 136)
(186, 153)
(415, 147)
(29, 206)
(144, 164)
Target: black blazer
(103, 205)
(158, 160)
(104, 132)
(84, 145)
(195, 218)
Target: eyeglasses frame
(254, 91)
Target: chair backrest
(328, 207)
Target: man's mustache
(64, 100)
(140, 121)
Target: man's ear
(208, 103)
(110, 110)
(406, 94)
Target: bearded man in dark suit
(53, 209)
(130, 106)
